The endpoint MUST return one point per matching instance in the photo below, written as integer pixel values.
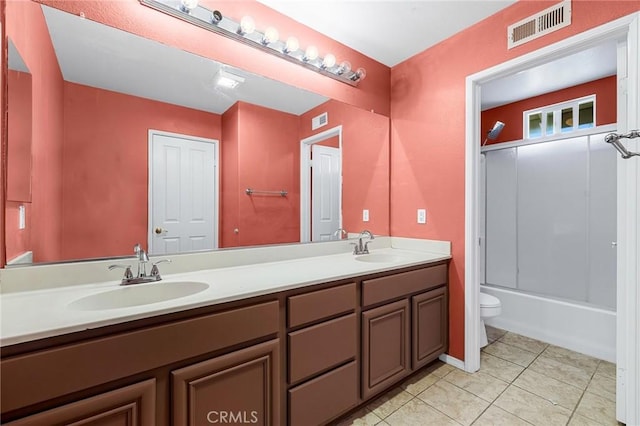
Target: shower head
(497, 128)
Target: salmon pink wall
(106, 166)
(19, 151)
(3, 132)
(230, 190)
(18, 241)
(267, 159)
(365, 163)
(428, 128)
(27, 29)
(131, 16)
(512, 114)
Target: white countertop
(42, 313)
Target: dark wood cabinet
(322, 399)
(430, 321)
(132, 405)
(322, 380)
(298, 357)
(385, 346)
(237, 388)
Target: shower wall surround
(551, 220)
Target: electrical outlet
(422, 216)
(365, 215)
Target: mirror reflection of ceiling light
(268, 41)
(227, 79)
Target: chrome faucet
(142, 276)
(340, 233)
(360, 248)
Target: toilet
(490, 306)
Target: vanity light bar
(267, 41)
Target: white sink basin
(380, 258)
(138, 294)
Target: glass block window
(564, 117)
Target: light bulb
(188, 5)
(247, 25)
(292, 45)
(271, 35)
(359, 75)
(311, 54)
(216, 17)
(328, 61)
(345, 67)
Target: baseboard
(452, 361)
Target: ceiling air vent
(319, 121)
(545, 22)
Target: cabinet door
(236, 388)
(385, 346)
(129, 406)
(430, 326)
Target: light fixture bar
(214, 21)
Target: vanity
(336, 332)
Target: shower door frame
(626, 31)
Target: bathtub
(585, 329)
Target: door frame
(216, 174)
(628, 274)
(305, 178)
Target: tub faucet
(142, 276)
(360, 248)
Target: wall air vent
(545, 22)
(319, 121)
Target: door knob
(159, 230)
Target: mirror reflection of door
(183, 193)
(325, 192)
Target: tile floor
(521, 382)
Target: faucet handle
(127, 270)
(366, 247)
(155, 272)
(355, 248)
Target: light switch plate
(422, 216)
(22, 217)
(365, 215)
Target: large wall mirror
(122, 130)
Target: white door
(325, 192)
(183, 192)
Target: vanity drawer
(387, 288)
(325, 397)
(320, 304)
(320, 347)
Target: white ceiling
(391, 31)
(388, 31)
(99, 56)
(581, 67)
